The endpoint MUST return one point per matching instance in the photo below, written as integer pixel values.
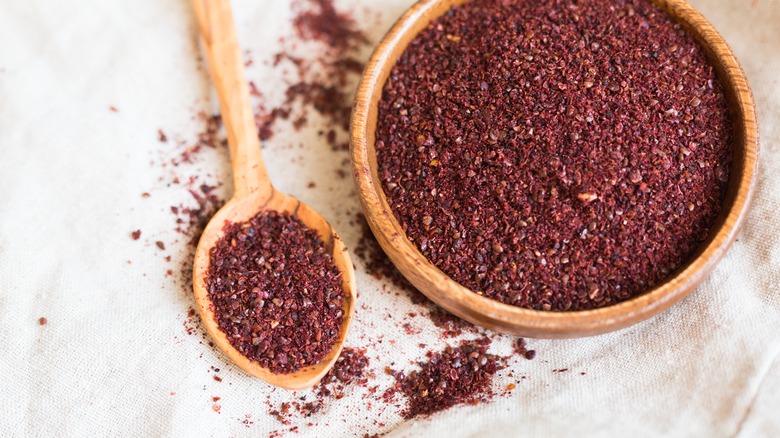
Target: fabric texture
(119, 355)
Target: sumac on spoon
(273, 281)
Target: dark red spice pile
(555, 155)
(454, 376)
(276, 291)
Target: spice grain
(553, 155)
(276, 291)
(456, 375)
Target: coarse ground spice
(325, 81)
(320, 20)
(521, 349)
(276, 291)
(329, 95)
(454, 376)
(379, 266)
(451, 326)
(351, 368)
(190, 220)
(554, 155)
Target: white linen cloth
(115, 358)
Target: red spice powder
(192, 220)
(207, 138)
(320, 21)
(551, 155)
(328, 95)
(276, 291)
(192, 323)
(42, 321)
(349, 368)
(521, 349)
(457, 375)
(135, 235)
(352, 367)
(450, 324)
(324, 82)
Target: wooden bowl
(486, 312)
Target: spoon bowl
(253, 193)
(241, 210)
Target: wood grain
(532, 323)
(254, 193)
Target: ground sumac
(276, 291)
(554, 155)
(457, 375)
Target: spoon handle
(226, 65)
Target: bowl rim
(472, 306)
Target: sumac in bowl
(549, 169)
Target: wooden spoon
(253, 193)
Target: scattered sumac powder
(321, 21)
(454, 376)
(276, 291)
(521, 349)
(554, 155)
(325, 75)
(349, 367)
(450, 325)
